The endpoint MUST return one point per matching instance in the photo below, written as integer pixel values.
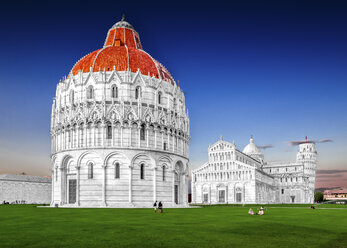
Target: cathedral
(232, 176)
(119, 129)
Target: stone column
(130, 184)
(186, 189)
(154, 184)
(62, 186)
(103, 203)
(78, 185)
(53, 177)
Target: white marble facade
(232, 176)
(119, 139)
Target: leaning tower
(307, 155)
(119, 129)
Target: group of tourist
(158, 206)
(14, 202)
(261, 211)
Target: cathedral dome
(122, 51)
(251, 148)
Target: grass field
(222, 226)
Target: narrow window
(142, 171)
(90, 92)
(164, 146)
(143, 132)
(109, 132)
(282, 191)
(174, 103)
(90, 171)
(72, 96)
(159, 97)
(137, 92)
(114, 91)
(117, 171)
(163, 173)
(56, 174)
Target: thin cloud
(330, 171)
(329, 176)
(324, 141)
(266, 147)
(298, 142)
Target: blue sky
(276, 70)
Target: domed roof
(122, 51)
(251, 148)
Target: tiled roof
(122, 51)
(25, 178)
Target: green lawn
(228, 226)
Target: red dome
(122, 51)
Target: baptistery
(119, 129)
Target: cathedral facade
(119, 129)
(232, 176)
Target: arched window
(72, 96)
(109, 132)
(143, 132)
(163, 173)
(142, 171)
(90, 92)
(174, 103)
(114, 91)
(117, 171)
(159, 97)
(137, 92)
(90, 171)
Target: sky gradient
(276, 70)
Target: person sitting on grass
(261, 211)
(250, 211)
(160, 205)
(155, 205)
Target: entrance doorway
(176, 194)
(238, 197)
(293, 198)
(205, 197)
(72, 191)
(221, 194)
